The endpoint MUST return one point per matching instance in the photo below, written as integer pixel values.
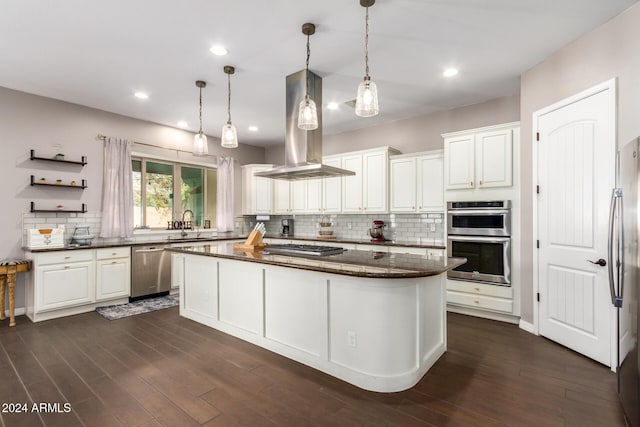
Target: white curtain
(117, 189)
(224, 195)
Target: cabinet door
(314, 196)
(352, 185)
(332, 189)
(459, 160)
(403, 184)
(374, 182)
(64, 285)
(281, 197)
(493, 158)
(430, 183)
(263, 195)
(298, 196)
(113, 279)
(247, 191)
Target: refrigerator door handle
(613, 209)
(620, 246)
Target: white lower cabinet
(76, 281)
(64, 285)
(480, 296)
(113, 273)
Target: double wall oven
(481, 233)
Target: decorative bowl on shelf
(58, 182)
(59, 156)
(43, 180)
(59, 207)
(72, 183)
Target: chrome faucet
(184, 233)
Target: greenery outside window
(155, 182)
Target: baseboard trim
(526, 326)
(471, 311)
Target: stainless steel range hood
(303, 149)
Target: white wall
(611, 50)
(416, 134)
(50, 126)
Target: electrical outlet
(351, 339)
(432, 227)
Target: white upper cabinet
(403, 184)
(479, 158)
(367, 191)
(257, 192)
(430, 174)
(332, 188)
(417, 182)
(494, 158)
(352, 185)
(281, 197)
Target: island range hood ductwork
(303, 148)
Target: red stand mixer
(376, 231)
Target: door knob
(601, 262)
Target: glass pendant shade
(307, 114)
(200, 146)
(367, 99)
(229, 136)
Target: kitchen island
(375, 320)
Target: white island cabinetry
(332, 322)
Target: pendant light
(229, 138)
(200, 147)
(307, 113)
(367, 98)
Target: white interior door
(576, 173)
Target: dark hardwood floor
(159, 369)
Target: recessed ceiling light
(218, 50)
(253, 128)
(450, 72)
(141, 95)
(183, 124)
(332, 106)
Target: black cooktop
(303, 249)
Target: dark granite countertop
(222, 238)
(351, 263)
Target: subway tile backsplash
(424, 229)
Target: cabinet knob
(67, 257)
(480, 182)
(477, 289)
(471, 184)
(114, 262)
(66, 267)
(413, 207)
(477, 302)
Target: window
(155, 183)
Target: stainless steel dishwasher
(150, 271)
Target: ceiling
(99, 53)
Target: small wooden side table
(8, 270)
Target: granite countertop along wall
(350, 263)
(98, 244)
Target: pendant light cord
(229, 98)
(366, 43)
(307, 67)
(200, 132)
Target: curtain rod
(101, 137)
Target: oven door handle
(479, 239)
(479, 212)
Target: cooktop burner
(303, 249)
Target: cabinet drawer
(117, 252)
(478, 301)
(64, 257)
(480, 289)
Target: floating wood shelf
(82, 186)
(51, 159)
(33, 209)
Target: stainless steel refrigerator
(624, 278)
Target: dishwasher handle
(143, 251)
